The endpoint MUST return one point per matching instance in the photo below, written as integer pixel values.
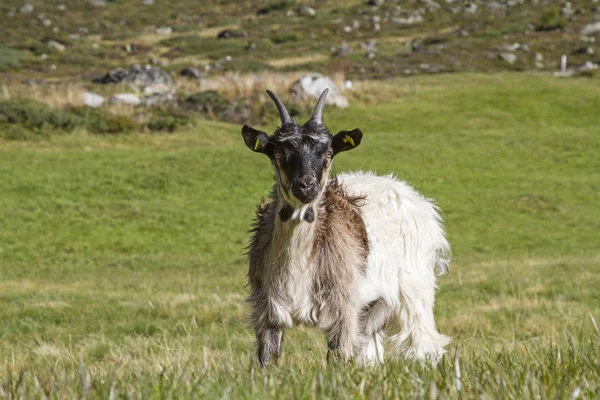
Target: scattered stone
(370, 47)
(53, 44)
(307, 11)
(590, 29)
(586, 66)
(414, 18)
(375, 3)
(356, 24)
(312, 85)
(74, 36)
(232, 34)
(376, 27)
(348, 85)
(431, 5)
(124, 99)
(343, 50)
(26, 9)
(191, 72)
(509, 58)
(98, 3)
(163, 30)
(158, 99)
(347, 29)
(539, 60)
(585, 50)
(495, 6)
(470, 8)
(92, 100)
(61, 7)
(114, 76)
(147, 2)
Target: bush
(10, 59)
(285, 38)
(21, 119)
(552, 20)
(210, 102)
(276, 6)
(168, 123)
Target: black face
(301, 157)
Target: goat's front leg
(270, 344)
(342, 337)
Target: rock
(470, 8)
(414, 18)
(567, 12)
(163, 30)
(347, 29)
(495, 6)
(53, 44)
(232, 34)
(61, 7)
(586, 66)
(26, 9)
(191, 72)
(92, 100)
(343, 50)
(509, 47)
(370, 47)
(148, 76)
(147, 2)
(375, 3)
(312, 85)
(348, 85)
(431, 5)
(509, 58)
(539, 60)
(158, 99)
(585, 50)
(306, 11)
(124, 99)
(114, 76)
(98, 3)
(590, 29)
(158, 88)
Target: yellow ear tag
(348, 139)
(258, 145)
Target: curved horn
(318, 114)
(283, 112)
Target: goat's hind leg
(373, 320)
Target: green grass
(123, 275)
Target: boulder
(98, 3)
(191, 72)
(312, 85)
(53, 44)
(26, 9)
(232, 34)
(590, 29)
(92, 100)
(509, 58)
(163, 30)
(306, 11)
(124, 99)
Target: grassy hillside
(123, 275)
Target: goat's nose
(305, 183)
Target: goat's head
(301, 155)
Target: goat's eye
(329, 155)
(277, 156)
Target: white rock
(348, 85)
(92, 100)
(590, 29)
(127, 99)
(27, 8)
(163, 30)
(313, 84)
(56, 45)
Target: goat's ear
(255, 140)
(346, 140)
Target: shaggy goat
(356, 255)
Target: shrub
(168, 123)
(552, 20)
(21, 119)
(10, 59)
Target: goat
(356, 255)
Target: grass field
(122, 272)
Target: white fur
(407, 246)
